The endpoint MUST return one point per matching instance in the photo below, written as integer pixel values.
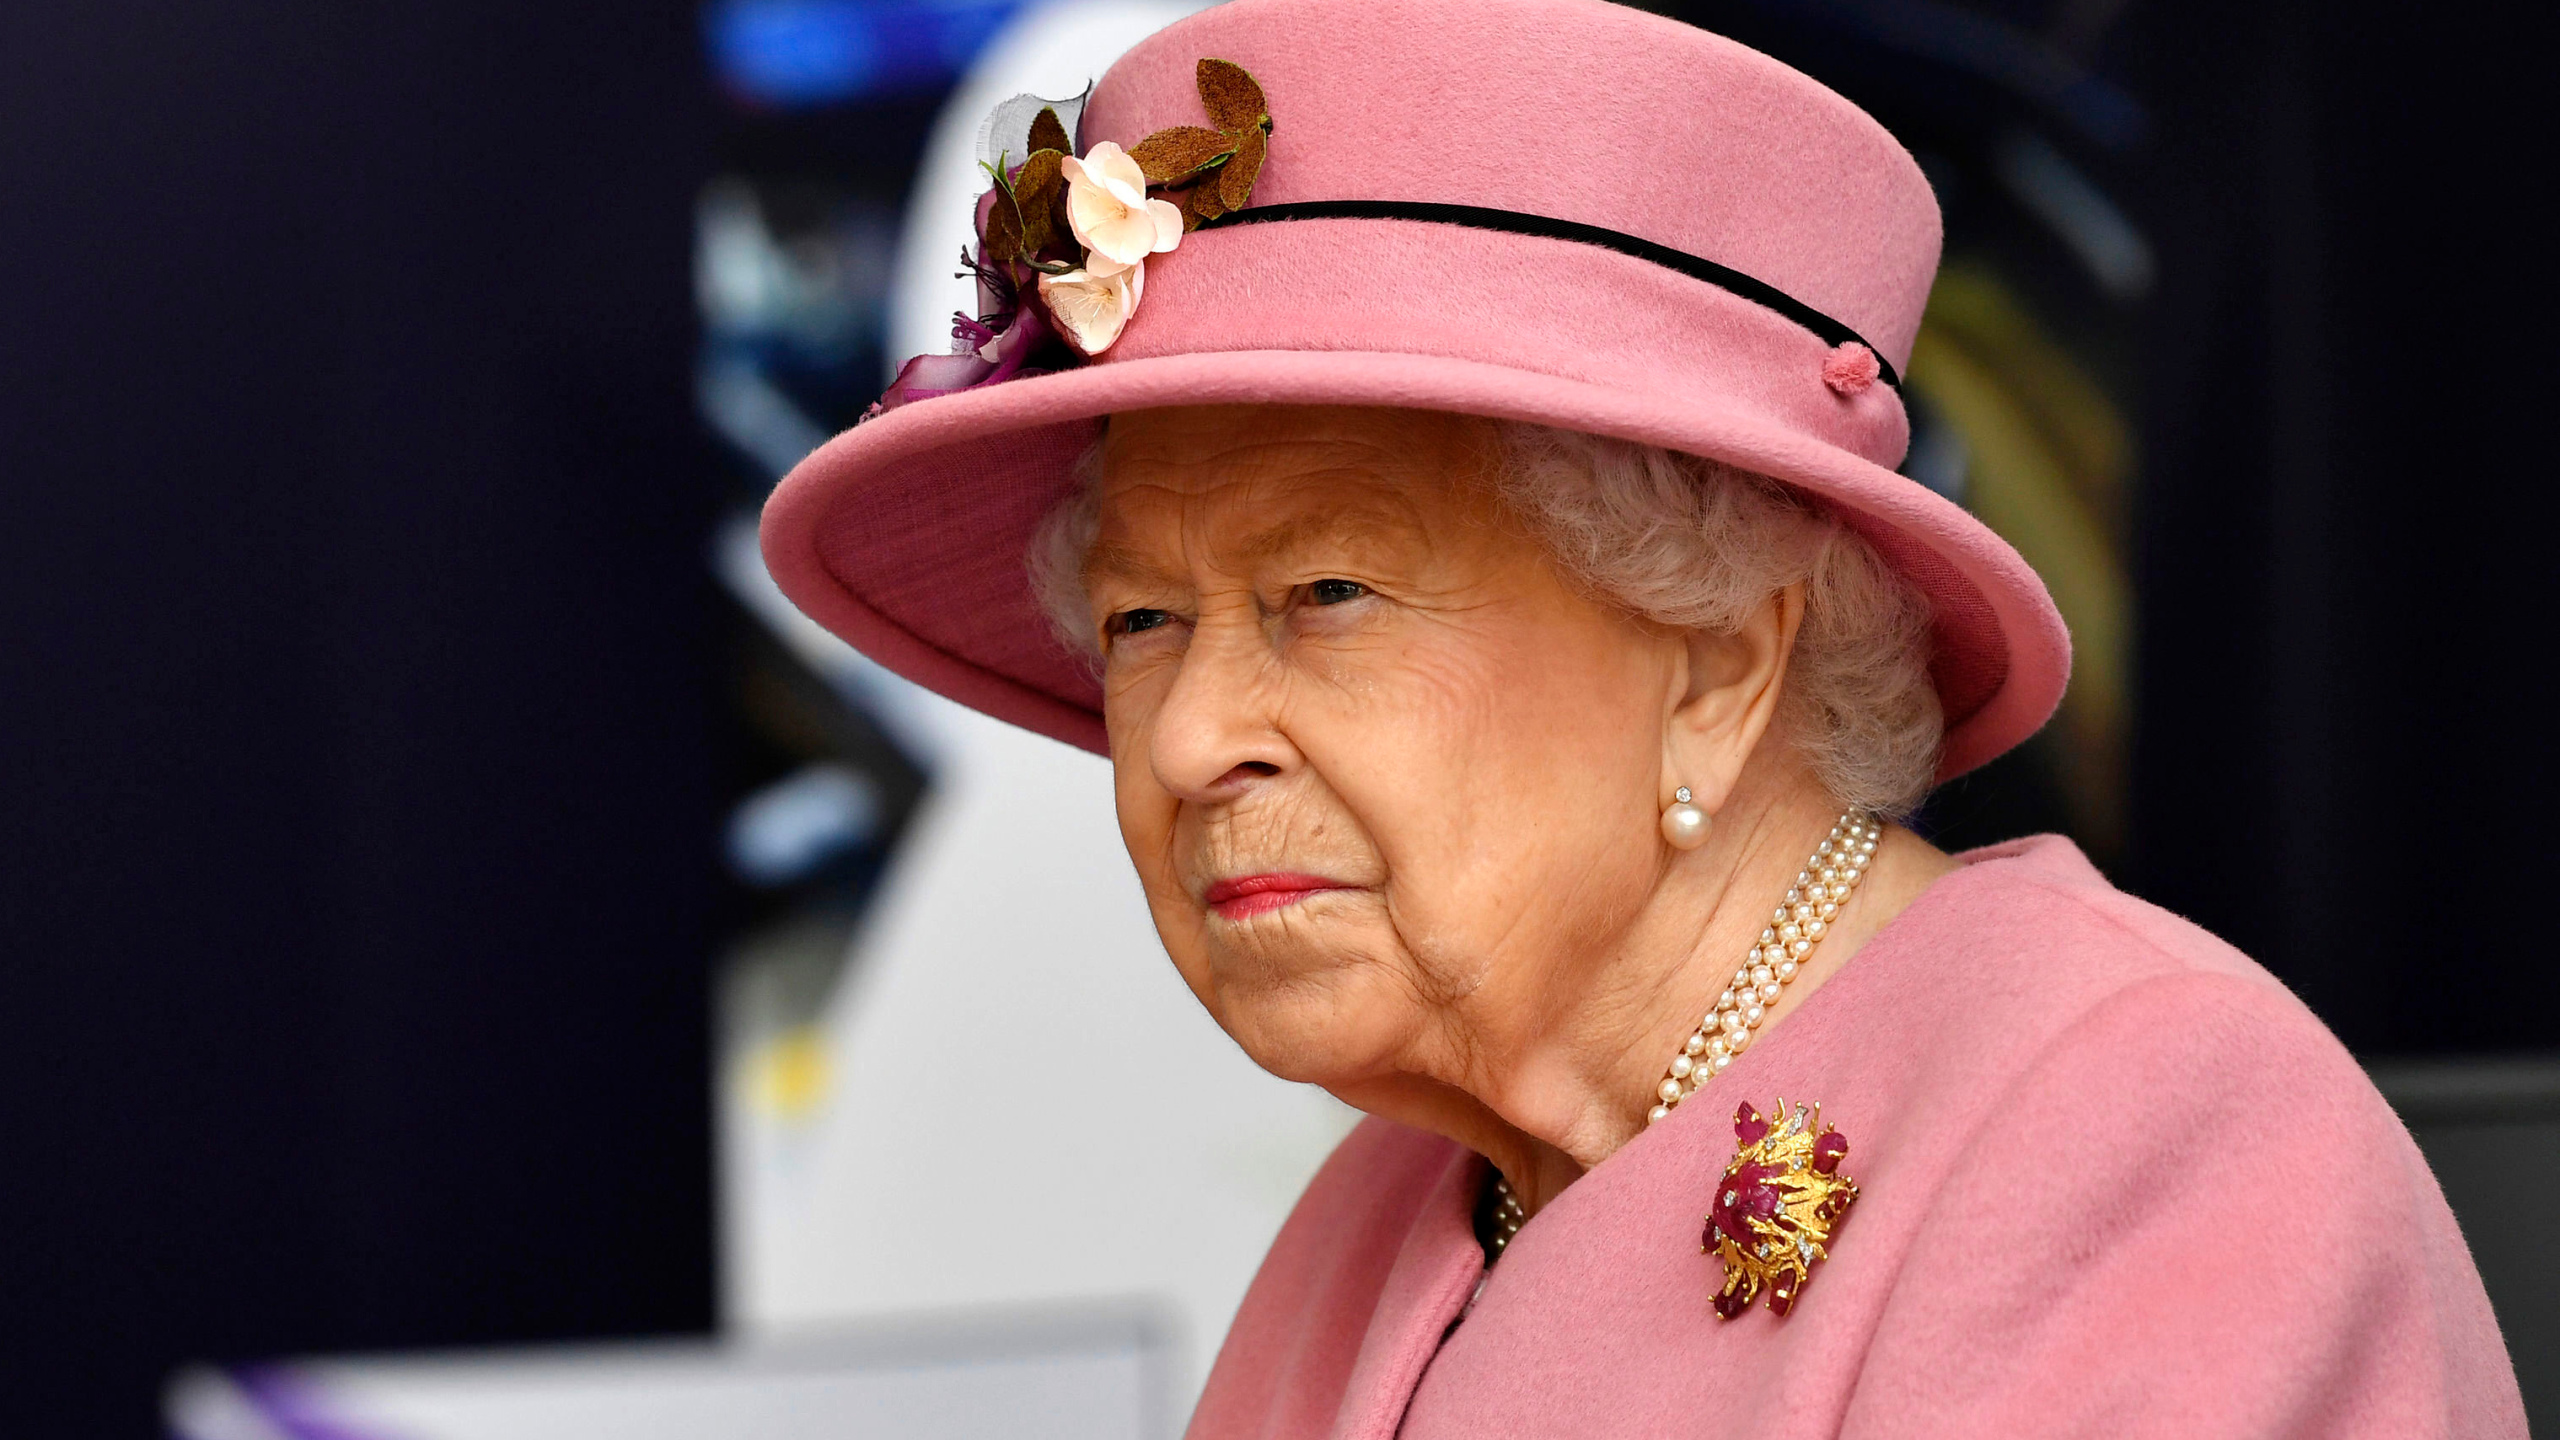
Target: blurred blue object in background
(799, 53)
(796, 826)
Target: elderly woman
(1439, 450)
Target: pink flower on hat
(1108, 209)
(1090, 308)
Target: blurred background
(457, 923)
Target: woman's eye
(1130, 622)
(1334, 592)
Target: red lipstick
(1251, 895)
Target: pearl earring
(1684, 825)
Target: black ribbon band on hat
(1513, 222)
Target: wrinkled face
(1380, 766)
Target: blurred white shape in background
(1010, 1100)
(1050, 49)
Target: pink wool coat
(2116, 1182)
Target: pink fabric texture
(906, 535)
(2116, 1182)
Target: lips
(1250, 895)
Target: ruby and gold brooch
(1779, 1205)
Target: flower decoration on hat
(1778, 1207)
(1063, 239)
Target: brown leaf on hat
(1029, 212)
(1173, 155)
(1048, 132)
(1002, 244)
(1231, 97)
(1201, 202)
(1037, 191)
(1235, 178)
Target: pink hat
(1558, 211)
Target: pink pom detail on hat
(907, 535)
(1850, 368)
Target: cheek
(1149, 818)
(1147, 813)
(1161, 835)
(1507, 777)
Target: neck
(1558, 1079)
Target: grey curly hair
(1688, 543)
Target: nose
(1218, 735)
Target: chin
(1334, 1022)
(1309, 1055)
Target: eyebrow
(1108, 561)
(1350, 523)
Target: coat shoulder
(1296, 1340)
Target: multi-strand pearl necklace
(1772, 964)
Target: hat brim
(907, 535)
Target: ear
(1728, 700)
